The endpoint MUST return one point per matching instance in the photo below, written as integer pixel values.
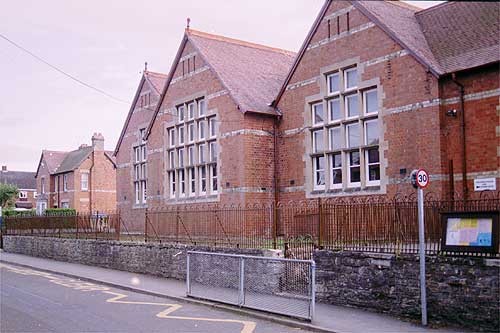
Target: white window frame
(365, 131)
(315, 172)
(172, 185)
(144, 191)
(367, 168)
(137, 191)
(201, 152)
(191, 155)
(171, 159)
(65, 182)
(202, 125)
(330, 92)
(347, 141)
(313, 114)
(201, 179)
(349, 182)
(211, 147)
(346, 106)
(191, 179)
(191, 110)
(191, 132)
(181, 112)
(330, 137)
(315, 150)
(212, 178)
(84, 180)
(365, 101)
(23, 195)
(346, 72)
(332, 168)
(330, 101)
(182, 183)
(182, 135)
(171, 137)
(204, 108)
(212, 127)
(181, 158)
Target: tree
(8, 194)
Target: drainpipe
(275, 176)
(462, 128)
(90, 181)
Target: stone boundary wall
(461, 291)
(164, 260)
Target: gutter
(462, 129)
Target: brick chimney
(98, 141)
(4, 168)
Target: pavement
(328, 318)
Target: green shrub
(60, 211)
(12, 212)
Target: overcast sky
(105, 43)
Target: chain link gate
(278, 285)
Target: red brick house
(83, 179)
(130, 151)
(26, 184)
(380, 88)
(212, 138)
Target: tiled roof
(400, 22)
(53, 159)
(252, 73)
(22, 179)
(462, 35)
(74, 158)
(157, 80)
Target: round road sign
(422, 178)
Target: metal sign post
(420, 180)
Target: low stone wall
(460, 291)
(165, 260)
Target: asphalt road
(34, 301)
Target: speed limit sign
(422, 178)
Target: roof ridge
(237, 41)
(404, 5)
(148, 72)
(426, 10)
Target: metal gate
(278, 285)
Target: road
(35, 301)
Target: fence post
(76, 222)
(313, 289)
(241, 298)
(275, 225)
(96, 222)
(188, 281)
(146, 225)
(320, 221)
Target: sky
(105, 43)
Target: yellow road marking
(248, 326)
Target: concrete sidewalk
(328, 318)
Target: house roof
(446, 38)
(252, 73)
(53, 160)
(462, 35)
(73, 159)
(22, 179)
(157, 82)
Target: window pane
(335, 138)
(351, 104)
(317, 113)
(354, 169)
(336, 162)
(371, 134)
(213, 129)
(191, 110)
(351, 78)
(214, 178)
(354, 158)
(373, 156)
(318, 141)
(213, 152)
(319, 170)
(371, 102)
(333, 83)
(181, 158)
(191, 155)
(172, 159)
(172, 137)
(181, 135)
(180, 112)
(202, 154)
(201, 125)
(201, 107)
(353, 135)
(335, 113)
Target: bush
(60, 211)
(11, 212)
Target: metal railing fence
(278, 285)
(99, 225)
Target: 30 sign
(422, 178)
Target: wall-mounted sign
(485, 184)
(470, 232)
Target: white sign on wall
(485, 184)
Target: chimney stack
(98, 142)
(4, 168)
